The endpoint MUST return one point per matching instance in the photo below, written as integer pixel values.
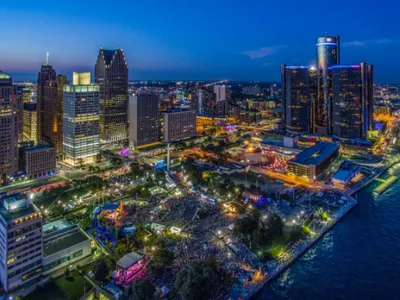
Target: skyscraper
(21, 238)
(58, 126)
(47, 104)
(8, 129)
(81, 129)
(30, 123)
(296, 99)
(222, 92)
(144, 126)
(328, 55)
(352, 101)
(111, 74)
(20, 114)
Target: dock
(385, 184)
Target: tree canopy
(201, 280)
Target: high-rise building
(58, 126)
(205, 101)
(111, 74)
(38, 161)
(222, 92)
(179, 125)
(328, 55)
(340, 97)
(21, 240)
(352, 101)
(47, 104)
(81, 129)
(30, 123)
(26, 94)
(20, 114)
(8, 129)
(144, 126)
(296, 101)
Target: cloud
(265, 51)
(370, 42)
(267, 64)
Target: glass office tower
(352, 101)
(111, 74)
(8, 130)
(328, 55)
(47, 104)
(81, 129)
(296, 90)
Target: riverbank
(302, 248)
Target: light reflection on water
(358, 259)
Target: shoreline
(255, 290)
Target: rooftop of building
(108, 55)
(177, 110)
(4, 75)
(38, 147)
(15, 206)
(316, 154)
(129, 260)
(64, 242)
(30, 106)
(55, 226)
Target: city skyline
(167, 43)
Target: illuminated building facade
(352, 109)
(30, 123)
(339, 98)
(297, 106)
(81, 129)
(204, 101)
(58, 123)
(20, 114)
(38, 161)
(21, 252)
(328, 55)
(8, 129)
(47, 104)
(144, 121)
(179, 125)
(313, 161)
(111, 74)
(26, 95)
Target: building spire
(47, 58)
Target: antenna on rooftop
(47, 58)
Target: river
(358, 259)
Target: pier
(385, 183)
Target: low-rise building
(179, 125)
(311, 162)
(21, 244)
(38, 161)
(63, 244)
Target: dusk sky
(238, 40)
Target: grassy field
(65, 288)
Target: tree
(247, 225)
(275, 226)
(162, 259)
(56, 210)
(121, 249)
(201, 280)
(101, 270)
(143, 290)
(80, 162)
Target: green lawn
(64, 288)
